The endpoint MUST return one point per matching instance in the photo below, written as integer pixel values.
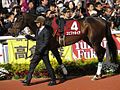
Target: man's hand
(28, 37)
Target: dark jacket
(44, 41)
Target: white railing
(22, 37)
(115, 32)
(11, 37)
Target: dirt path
(79, 83)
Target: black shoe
(63, 78)
(25, 83)
(51, 83)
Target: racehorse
(92, 31)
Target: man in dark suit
(43, 39)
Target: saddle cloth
(71, 28)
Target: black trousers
(34, 62)
(57, 55)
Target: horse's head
(18, 25)
(21, 21)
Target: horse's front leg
(59, 60)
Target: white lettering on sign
(90, 54)
(82, 49)
(82, 45)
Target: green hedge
(75, 68)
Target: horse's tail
(111, 43)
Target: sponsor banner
(5, 52)
(17, 50)
(82, 50)
(1, 54)
(65, 53)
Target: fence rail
(11, 37)
(22, 37)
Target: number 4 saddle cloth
(71, 27)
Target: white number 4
(74, 26)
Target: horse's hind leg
(100, 52)
(59, 60)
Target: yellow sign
(65, 53)
(18, 51)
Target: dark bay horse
(93, 30)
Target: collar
(41, 28)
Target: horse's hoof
(97, 77)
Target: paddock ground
(74, 83)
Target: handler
(43, 37)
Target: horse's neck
(29, 18)
(33, 29)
